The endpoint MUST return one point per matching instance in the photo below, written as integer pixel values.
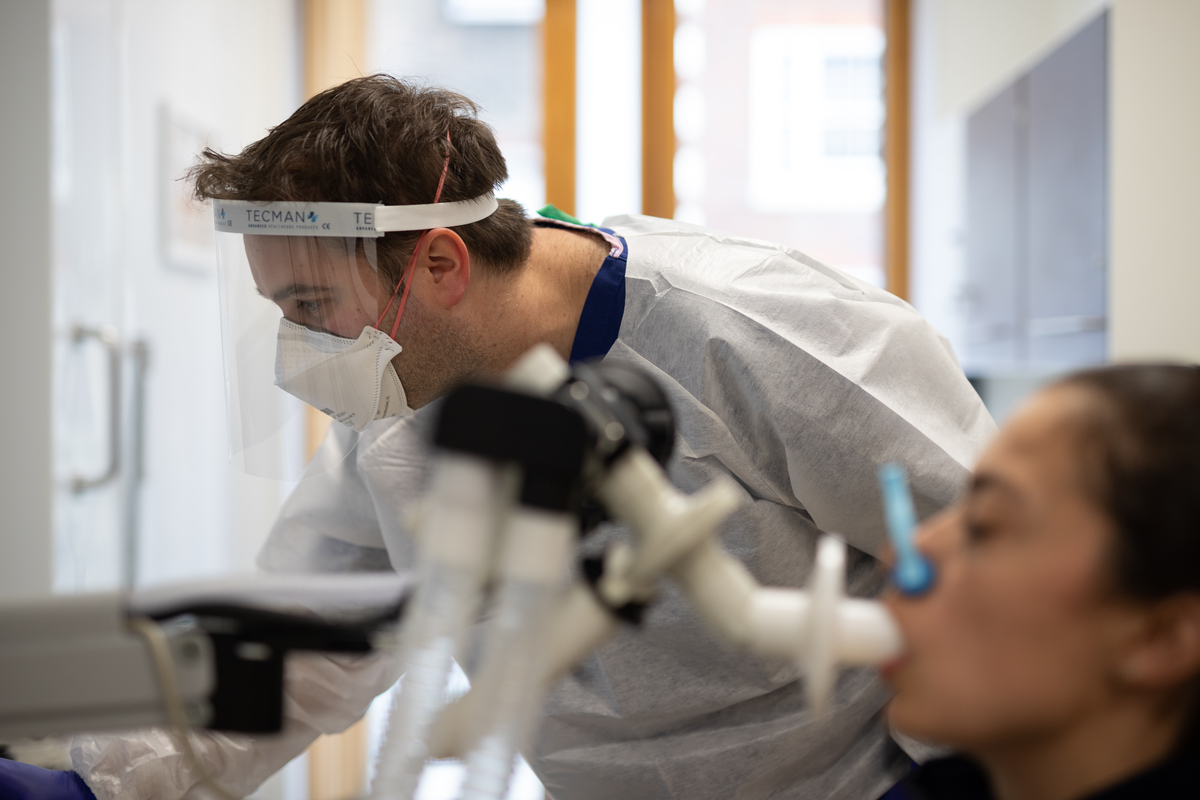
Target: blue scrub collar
(600, 321)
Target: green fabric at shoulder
(549, 211)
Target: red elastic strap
(445, 166)
(407, 280)
(412, 260)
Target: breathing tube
(456, 543)
(531, 571)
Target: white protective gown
(790, 377)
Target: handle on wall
(107, 336)
(139, 352)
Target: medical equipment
(518, 471)
(80, 662)
(514, 471)
(913, 574)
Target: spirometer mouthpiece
(840, 630)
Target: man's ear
(1165, 650)
(443, 268)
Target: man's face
(322, 283)
(327, 284)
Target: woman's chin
(912, 720)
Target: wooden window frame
(558, 103)
(334, 50)
(658, 108)
(897, 65)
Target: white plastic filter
(826, 588)
(841, 630)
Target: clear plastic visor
(296, 320)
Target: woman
(1060, 647)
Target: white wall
(965, 51)
(1154, 297)
(936, 195)
(984, 44)
(25, 324)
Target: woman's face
(1019, 636)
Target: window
(779, 117)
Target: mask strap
(405, 277)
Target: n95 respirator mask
(351, 380)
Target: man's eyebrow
(293, 291)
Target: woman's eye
(979, 531)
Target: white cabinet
(1037, 207)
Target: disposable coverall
(790, 377)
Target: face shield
(303, 306)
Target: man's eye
(309, 306)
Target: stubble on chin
(443, 355)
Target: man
(788, 376)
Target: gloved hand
(26, 782)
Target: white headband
(345, 219)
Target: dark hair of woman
(1140, 457)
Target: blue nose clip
(912, 574)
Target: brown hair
(1140, 460)
(381, 140)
